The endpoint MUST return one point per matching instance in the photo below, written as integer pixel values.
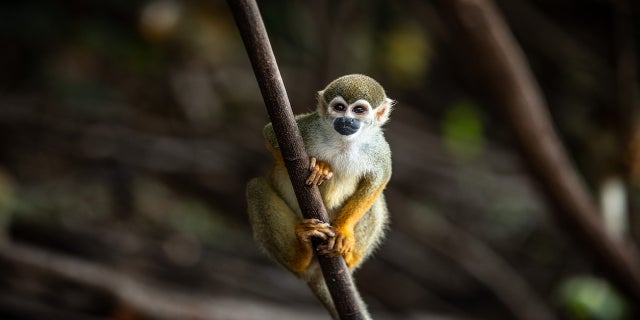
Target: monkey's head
(353, 104)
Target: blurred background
(129, 129)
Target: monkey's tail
(319, 288)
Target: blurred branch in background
(516, 91)
(476, 258)
(143, 299)
(628, 106)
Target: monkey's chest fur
(349, 162)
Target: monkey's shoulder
(307, 122)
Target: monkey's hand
(308, 228)
(320, 171)
(340, 245)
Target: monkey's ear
(384, 110)
(321, 104)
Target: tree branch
(513, 85)
(628, 115)
(150, 300)
(256, 41)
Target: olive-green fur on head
(354, 87)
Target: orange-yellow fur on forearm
(356, 207)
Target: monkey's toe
(341, 244)
(308, 228)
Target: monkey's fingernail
(329, 175)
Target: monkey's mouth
(346, 126)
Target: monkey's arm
(368, 191)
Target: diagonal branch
(256, 41)
(516, 91)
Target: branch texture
(256, 41)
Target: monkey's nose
(346, 126)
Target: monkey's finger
(307, 225)
(319, 179)
(311, 223)
(326, 232)
(340, 245)
(325, 177)
(312, 164)
(307, 235)
(324, 250)
(318, 234)
(313, 176)
(309, 180)
(329, 232)
(331, 242)
(344, 245)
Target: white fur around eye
(361, 103)
(337, 100)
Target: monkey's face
(350, 119)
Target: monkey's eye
(359, 109)
(339, 107)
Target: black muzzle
(346, 126)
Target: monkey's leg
(279, 229)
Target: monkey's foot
(308, 228)
(320, 171)
(340, 245)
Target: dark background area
(128, 131)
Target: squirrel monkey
(351, 165)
